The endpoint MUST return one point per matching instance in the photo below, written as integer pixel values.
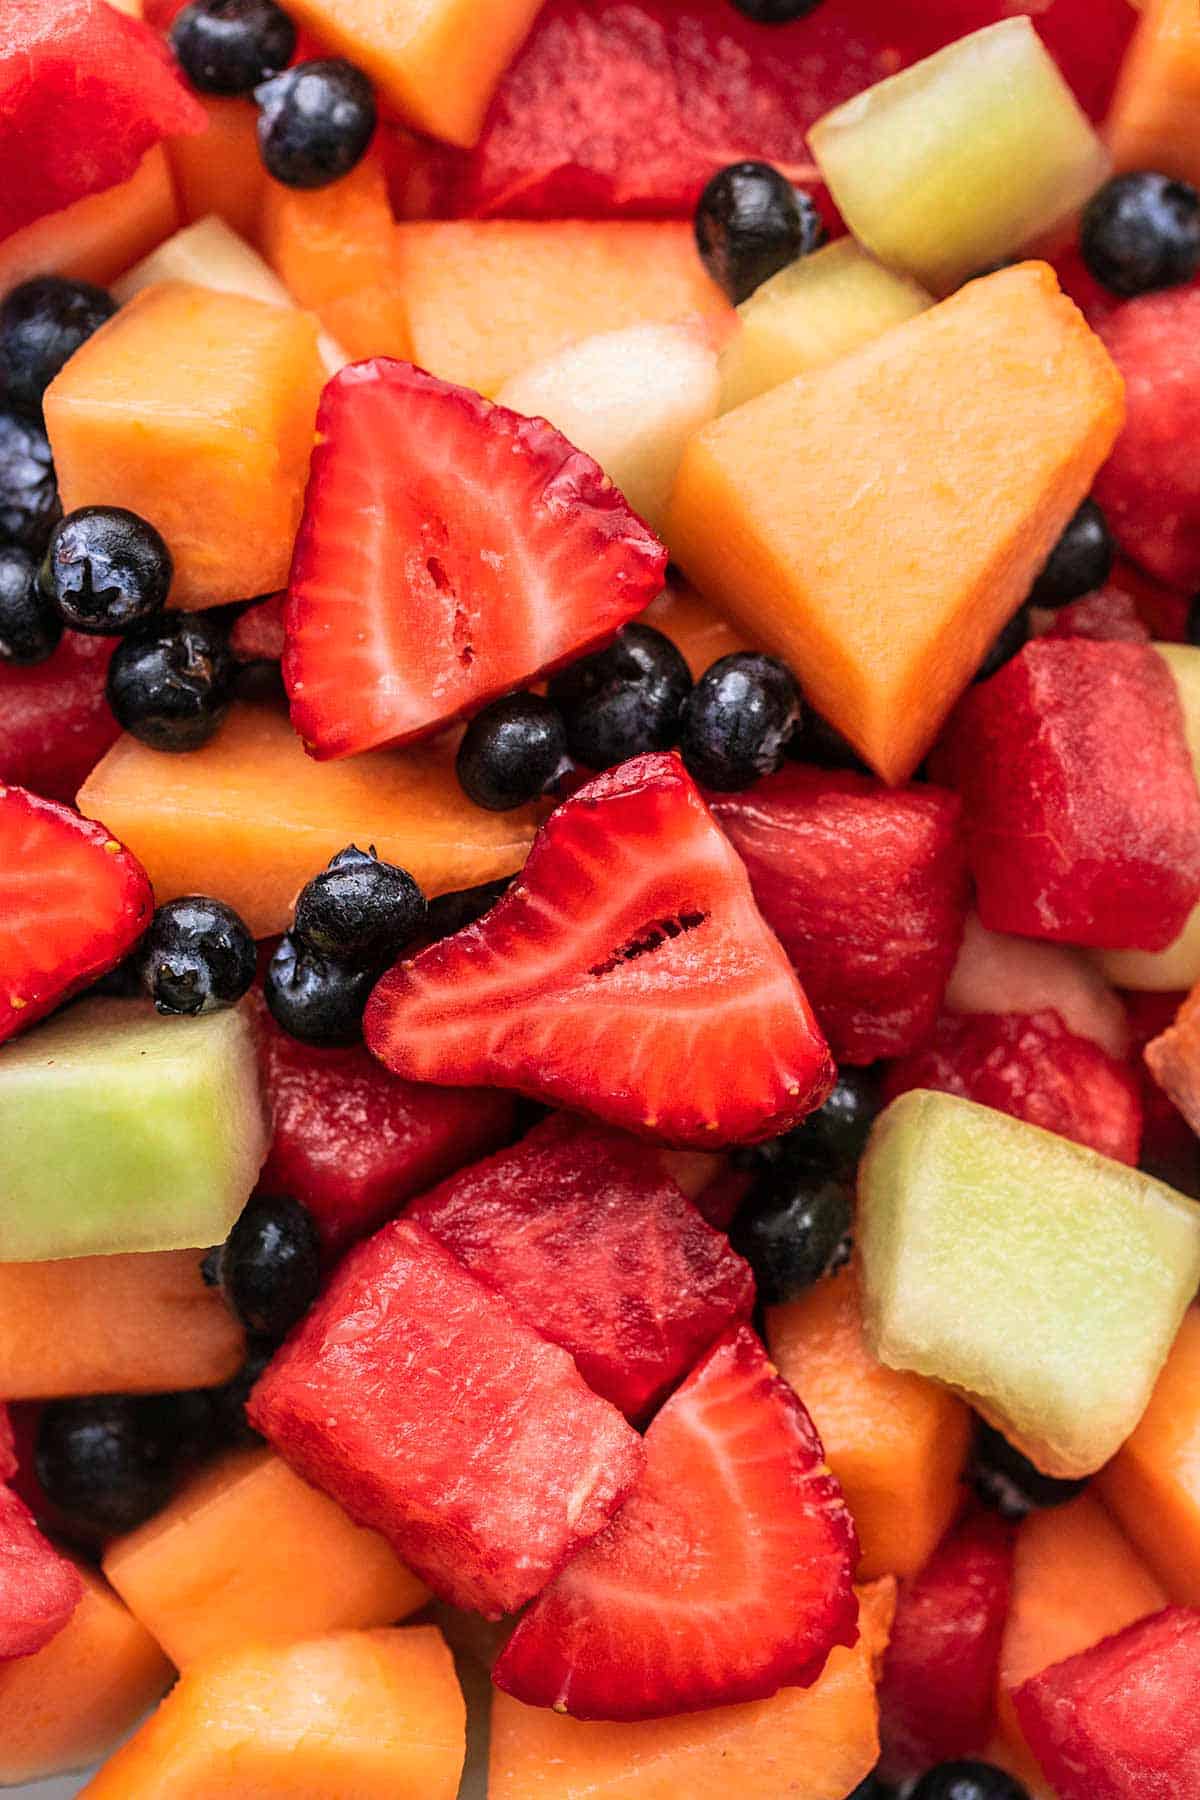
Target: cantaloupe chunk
(1155, 117)
(702, 633)
(196, 410)
(487, 298)
(361, 1715)
(100, 235)
(896, 1442)
(874, 522)
(220, 170)
(436, 62)
(251, 818)
(72, 1702)
(812, 1743)
(144, 1323)
(246, 1552)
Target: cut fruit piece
(805, 1743)
(726, 1575)
(627, 974)
(250, 818)
(257, 634)
(1078, 1271)
(95, 238)
(599, 1251)
(696, 629)
(520, 556)
(246, 1552)
(72, 902)
(142, 1324)
(962, 160)
(1168, 1142)
(814, 311)
(1173, 1059)
(830, 515)
(1155, 117)
(39, 1589)
(1108, 617)
(1081, 805)
(77, 1698)
(867, 891)
(1121, 1721)
(123, 1130)
(896, 1442)
(55, 720)
(376, 1715)
(195, 410)
(486, 300)
(436, 1416)
(629, 398)
(220, 170)
(997, 973)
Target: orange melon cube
(698, 630)
(251, 818)
(1155, 117)
(98, 237)
(68, 1705)
(487, 298)
(219, 170)
(896, 1442)
(246, 1551)
(367, 1715)
(126, 1324)
(196, 410)
(875, 523)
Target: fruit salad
(600, 900)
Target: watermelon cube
(424, 1405)
(1109, 616)
(866, 889)
(1082, 810)
(594, 1246)
(55, 720)
(39, 1589)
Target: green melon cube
(1038, 1278)
(124, 1130)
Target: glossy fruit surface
(751, 222)
(107, 570)
(229, 46)
(1141, 232)
(314, 122)
(42, 322)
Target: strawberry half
(626, 973)
(72, 902)
(450, 550)
(725, 1576)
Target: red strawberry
(55, 720)
(626, 973)
(72, 902)
(726, 1575)
(584, 1235)
(450, 550)
(39, 1589)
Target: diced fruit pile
(600, 899)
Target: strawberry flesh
(39, 1589)
(55, 720)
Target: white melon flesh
(996, 973)
(631, 399)
(962, 159)
(817, 309)
(124, 1130)
(1036, 1277)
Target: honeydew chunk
(1036, 1277)
(962, 159)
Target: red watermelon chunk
(435, 1415)
(85, 91)
(39, 1589)
(584, 1235)
(1121, 1721)
(55, 720)
(865, 887)
(1081, 807)
(1109, 617)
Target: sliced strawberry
(726, 1575)
(39, 1589)
(72, 902)
(627, 973)
(450, 550)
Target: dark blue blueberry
(1011, 641)
(316, 998)
(1141, 232)
(1008, 1482)
(872, 1788)
(750, 222)
(831, 1140)
(738, 720)
(793, 1228)
(107, 1463)
(170, 682)
(817, 742)
(315, 122)
(776, 12)
(359, 908)
(197, 956)
(512, 751)
(232, 46)
(29, 506)
(107, 570)
(230, 1426)
(624, 700)
(269, 1268)
(30, 627)
(968, 1781)
(42, 323)
(1079, 563)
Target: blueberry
(169, 683)
(231, 46)
(831, 1140)
(29, 506)
(42, 323)
(751, 222)
(968, 1781)
(230, 1425)
(107, 570)
(511, 752)
(1141, 232)
(818, 742)
(1079, 563)
(738, 719)
(316, 998)
(792, 1229)
(30, 627)
(453, 912)
(106, 1463)
(197, 956)
(270, 1266)
(1010, 642)
(776, 12)
(359, 908)
(872, 1788)
(1008, 1482)
(1193, 621)
(315, 122)
(625, 699)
